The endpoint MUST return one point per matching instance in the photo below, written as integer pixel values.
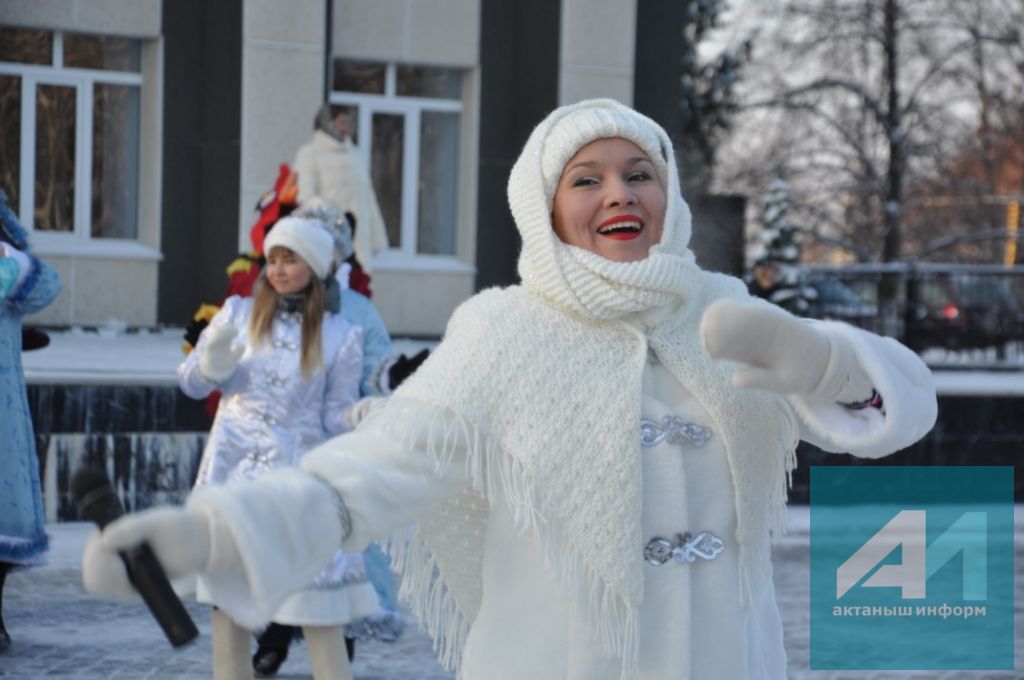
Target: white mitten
(180, 539)
(362, 408)
(782, 353)
(219, 358)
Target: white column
(282, 86)
(598, 42)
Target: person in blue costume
(27, 284)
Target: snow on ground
(151, 357)
(61, 631)
(990, 383)
(110, 355)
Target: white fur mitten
(219, 358)
(362, 408)
(180, 539)
(781, 352)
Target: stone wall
(148, 439)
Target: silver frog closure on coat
(684, 548)
(674, 430)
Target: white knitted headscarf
(575, 278)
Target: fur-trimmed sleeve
(38, 288)
(271, 536)
(268, 538)
(906, 388)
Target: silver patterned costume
(269, 416)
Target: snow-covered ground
(112, 356)
(59, 630)
(1012, 356)
(150, 357)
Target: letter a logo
(906, 529)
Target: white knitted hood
(577, 279)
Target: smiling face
(609, 201)
(286, 272)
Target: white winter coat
(332, 169)
(692, 618)
(270, 416)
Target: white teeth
(618, 226)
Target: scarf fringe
(431, 601)
(755, 562)
(494, 475)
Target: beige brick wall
(440, 32)
(97, 289)
(135, 18)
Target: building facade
(138, 135)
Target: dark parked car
(953, 310)
(837, 301)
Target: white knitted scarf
(540, 387)
(609, 290)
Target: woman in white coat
(596, 458)
(329, 166)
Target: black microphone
(98, 503)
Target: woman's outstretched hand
(179, 538)
(780, 352)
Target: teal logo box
(911, 568)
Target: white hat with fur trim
(307, 238)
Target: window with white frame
(407, 124)
(69, 138)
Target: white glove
(219, 359)
(362, 408)
(180, 539)
(782, 353)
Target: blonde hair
(264, 307)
